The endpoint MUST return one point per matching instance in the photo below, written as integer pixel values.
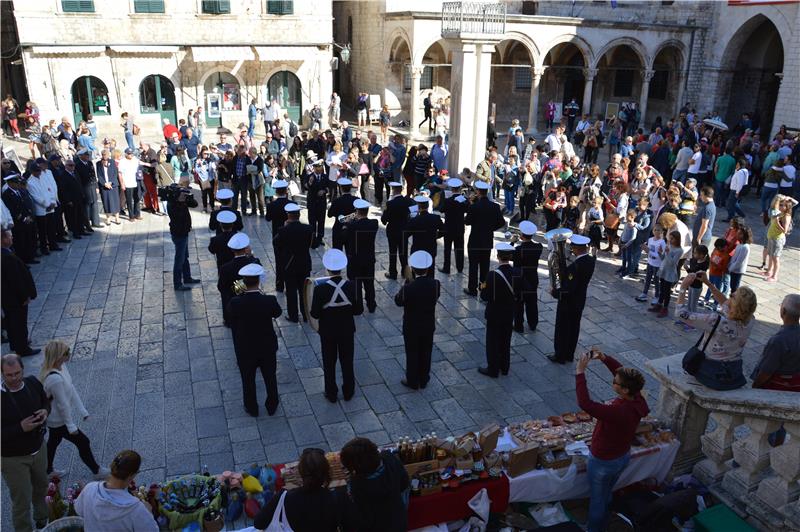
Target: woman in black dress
(108, 183)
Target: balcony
(473, 20)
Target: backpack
(293, 128)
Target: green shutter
(77, 6)
(216, 7)
(280, 7)
(148, 6)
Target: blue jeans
(720, 193)
(635, 257)
(602, 474)
(251, 127)
(716, 281)
(733, 206)
(180, 268)
(679, 176)
(735, 281)
(509, 198)
(767, 195)
(627, 253)
(130, 141)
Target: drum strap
(338, 299)
(505, 279)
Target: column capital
(538, 72)
(647, 75)
(417, 70)
(590, 73)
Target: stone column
(753, 455)
(717, 449)
(779, 493)
(416, 75)
(588, 75)
(533, 110)
(647, 75)
(679, 98)
(469, 93)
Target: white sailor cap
(224, 193)
(481, 185)
(343, 181)
(334, 260)
(420, 260)
(413, 209)
(13, 177)
(279, 183)
(291, 207)
(252, 270)
(361, 204)
(226, 217)
(395, 184)
(239, 241)
(455, 182)
(527, 228)
(317, 162)
(502, 247)
(421, 199)
(85, 151)
(579, 240)
(311, 154)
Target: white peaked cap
(224, 193)
(239, 241)
(527, 228)
(420, 260)
(334, 260)
(361, 204)
(226, 217)
(252, 270)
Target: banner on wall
(214, 105)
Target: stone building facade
(729, 57)
(157, 59)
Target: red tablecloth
(451, 505)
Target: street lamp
(345, 52)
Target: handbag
(611, 221)
(694, 357)
(279, 521)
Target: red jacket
(169, 129)
(616, 420)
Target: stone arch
(582, 45)
(679, 46)
(511, 79)
(213, 70)
(396, 40)
(740, 36)
(634, 44)
(527, 42)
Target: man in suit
(70, 194)
(19, 204)
(88, 178)
(500, 292)
(18, 291)
(218, 246)
(395, 218)
(317, 200)
(485, 218)
(454, 209)
(225, 197)
(254, 339)
(418, 299)
(360, 248)
(293, 242)
(424, 229)
(277, 215)
(334, 304)
(427, 105)
(526, 259)
(229, 273)
(571, 300)
(341, 206)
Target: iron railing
(473, 18)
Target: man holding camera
(25, 407)
(179, 198)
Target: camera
(174, 192)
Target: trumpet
(346, 219)
(512, 234)
(238, 287)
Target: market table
(546, 485)
(451, 505)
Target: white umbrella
(716, 124)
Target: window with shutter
(148, 6)
(77, 6)
(280, 7)
(216, 7)
(522, 79)
(425, 81)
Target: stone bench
(764, 486)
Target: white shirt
(127, 171)
(67, 407)
(738, 180)
(694, 166)
(789, 173)
(655, 246)
(553, 143)
(686, 237)
(43, 191)
(335, 161)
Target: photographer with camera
(179, 198)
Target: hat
(291, 207)
(481, 185)
(252, 270)
(279, 183)
(224, 193)
(579, 240)
(13, 177)
(239, 241)
(420, 260)
(317, 162)
(421, 199)
(413, 209)
(128, 151)
(503, 247)
(311, 154)
(54, 157)
(226, 217)
(361, 204)
(455, 182)
(527, 228)
(85, 151)
(334, 260)
(343, 181)
(395, 184)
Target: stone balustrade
(758, 481)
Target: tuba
(557, 260)
(238, 288)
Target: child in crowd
(572, 214)
(656, 248)
(643, 220)
(626, 241)
(740, 257)
(717, 269)
(780, 225)
(594, 220)
(698, 263)
(668, 274)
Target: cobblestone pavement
(156, 368)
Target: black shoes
(294, 319)
(407, 385)
(30, 352)
(445, 271)
(182, 288)
(553, 358)
(469, 292)
(192, 280)
(331, 398)
(392, 276)
(519, 329)
(271, 408)
(485, 371)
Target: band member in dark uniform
(395, 218)
(293, 242)
(454, 209)
(485, 218)
(20, 205)
(225, 197)
(254, 339)
(277, 215)
(341, 206)
(526, 259)
(360, 248)
(334, 303)
(218, 245)
(501, 292)
(424, 229)
(18, 291)
(571, 300)
(317, 201)
(229, 273)
(418, 299)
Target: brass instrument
(308, 298)
(557, 260)
(345, 219)
(512, 234)
(238, 288)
